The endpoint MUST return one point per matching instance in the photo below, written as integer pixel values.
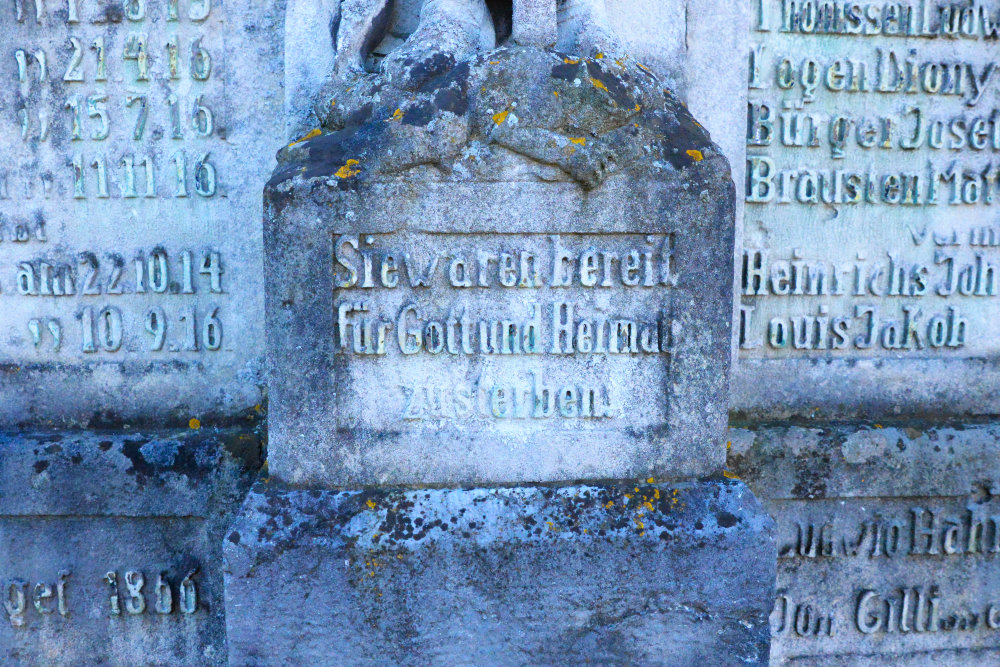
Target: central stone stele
(501, 276)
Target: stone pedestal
(506, 275)
(651, 574)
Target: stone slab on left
(136, 138)
(109, 544)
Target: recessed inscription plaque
(536, 306)
(872, 242)
(496, 318)
(129, 260)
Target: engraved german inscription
(517, 308)
(873, 170)
(126, 233)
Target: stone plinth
(653, 574)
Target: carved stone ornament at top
(450, 101)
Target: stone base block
(888, 541)
(651, 574)
(110, 545)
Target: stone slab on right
(868, 375)
(888, 541)
(871, 264)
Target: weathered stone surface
(887, 541)
(498, 266)
(491, 181)
(535, 23)
(651, 574)
(91, 523)
(868, 288)
(871, 268)
(134, 133)
(136, 136)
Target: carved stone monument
(132, 301)
(498, 306)
(868, 377)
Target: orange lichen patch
(642, 67)
(879, 426)
(579, 141)
(598, 84)
(494, 62)
(729, 445)
(556, 93)
(333, 103)
(571, 61)
(397, 115)
(501, 116)
(650, 481)
(638, 107)
(729, 475)
(695, 155)
(609, 504)
(194, 423)
(370, 503)
(310, 135)
(350, 168)
(600, 55)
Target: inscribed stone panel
(871, 265)
(136, 139)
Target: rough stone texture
(75, 506)
(436, 158)
(93, 103)
(649, 574)
(851, 505)
(379, 230)
(535, 23)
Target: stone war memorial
(500, 332)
